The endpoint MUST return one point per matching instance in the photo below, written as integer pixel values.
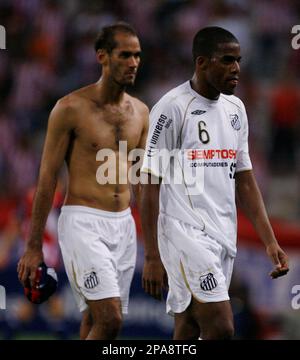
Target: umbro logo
(208, 282)
(198, 112)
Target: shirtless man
(96, 230)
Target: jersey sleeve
(162, 138)
(243, 158)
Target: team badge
(208, 282)
(91, 280)
(235, 121)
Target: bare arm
(154, 275)
(55, 147)
(250, 199)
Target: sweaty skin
(94, 126)
(214, 74)
(94, 118)
(87, 120)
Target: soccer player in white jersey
(190, 227)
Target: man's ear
(202, 62)
(102, 56)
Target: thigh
(186, 326)
(126, 260)
(179, 295)
(90, 264)
(202, 269)
(206, 313)
(213, 320)
(107, 319)
(193, 262)
(196, 262)
(227, 267)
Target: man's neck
(109, 91)
(203, 89)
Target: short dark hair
(206, 40)
(106, 38)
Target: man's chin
(127, 82)
(124, 83)
(228, 91)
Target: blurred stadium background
(50, 52)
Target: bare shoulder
(60, 116)
(142, 109)
(139, 105)
(75, 100)
(71, 106)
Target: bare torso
(100, 126)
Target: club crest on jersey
(235, 121)
(91, 280)
(198, 112)
(208, 282)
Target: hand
(279, 259)
(154, 278)
(28, 265)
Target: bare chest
(105, 129)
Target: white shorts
(196, 264)
(99, 253)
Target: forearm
(259, 218)
(149, 217)
(250, 199)
(41, 207)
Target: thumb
(275, 259)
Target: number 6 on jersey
(203, 134)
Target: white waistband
(88, 210)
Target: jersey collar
(200, 97)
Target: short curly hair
(206, 40)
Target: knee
(220, 330)
(225, 331)
(186, 332)
(86, 325)
(87, 319)
(115, 322)
(111, 323)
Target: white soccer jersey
(209, 141)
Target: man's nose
(236, 67)
(133, 62)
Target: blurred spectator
(273, 23)
(285, 121)
(17, 226)
(246, 322)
